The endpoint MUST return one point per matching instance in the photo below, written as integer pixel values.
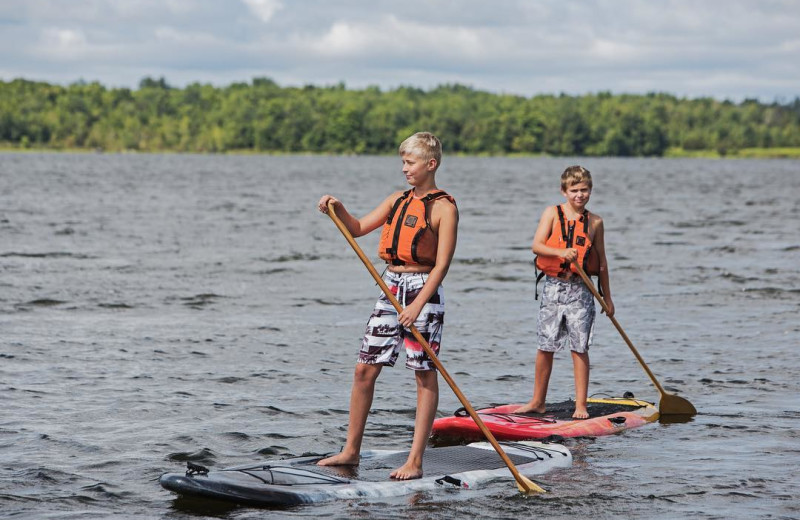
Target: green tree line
(265, 117)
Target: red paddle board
(606, 416)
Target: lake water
(156, 309)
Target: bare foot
(531, 407)
(407, 471)
(340, 459)
(580, 413)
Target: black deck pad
(563, 411)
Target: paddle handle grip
(523, 483)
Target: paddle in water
(669, 404)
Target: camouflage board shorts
(384, 335)
(566, 316)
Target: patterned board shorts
(382, 339)
(566, 316)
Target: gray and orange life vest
(407, 237)
(564, 235)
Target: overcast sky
(725, 49)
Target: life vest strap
(392, 251)
(539, 276)
(430, 197)
(563, 220)
(396, 205)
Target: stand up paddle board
(301, 481)
(606, 416)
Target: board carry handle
(524, 484)
(669, 404)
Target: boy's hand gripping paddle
(524, 484)
(670, 404)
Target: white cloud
(412, 41)
(264, 9)
(714, 47)
(58, 43)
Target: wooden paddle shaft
(592, 288)
(523, 483)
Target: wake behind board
(606, 416)
(301, 481)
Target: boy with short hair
(568, 233)
(417, 242)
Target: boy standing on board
(417, 242)
(568, 233)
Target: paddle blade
(674, 405)
(528, 486)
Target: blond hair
(424, 145)
(573, 175)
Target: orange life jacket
(564, 235)
(407, 237)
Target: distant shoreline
(671, 153)
(263, 117)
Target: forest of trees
(262, 116)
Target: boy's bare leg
(427, 403)
(580, 365)
(360, 403)
(544, 366)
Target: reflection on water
(162, 309)
(675, 419)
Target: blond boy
(418, 240)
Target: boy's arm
(540, 247)
(446, 214)
(600, 248)
(367, 223)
